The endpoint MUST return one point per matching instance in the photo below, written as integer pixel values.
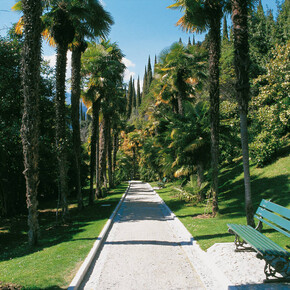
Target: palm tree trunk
(180, 105)
(103, 153)
(98, 180)
(109, 153)
(95, 122)
(75, 117)
(200, 173)
(239, 18)
(115, 150)
(214, 56)
(61, 138)
(30, 121)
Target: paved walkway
(141, 250)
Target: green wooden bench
(276, 258)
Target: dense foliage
(159, 130)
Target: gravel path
(141, 251)
(149, 248)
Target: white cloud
(128, 62)
(52, 62)
(103, 3)
(128, 73)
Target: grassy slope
(62, 249)
(268, 182)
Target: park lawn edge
(56, 261)
(270, 182)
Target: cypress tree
(129, 99)
(138, 93)
(144, 83)
(225, 29)
(193, 40)
(149, 75)
(134, 103)
(180, 41)
(189, 42)
(155, 62)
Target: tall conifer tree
(129, 99)
(144, 84)
(138, 93)
(134, 103)
(149, 75)
(225, 29)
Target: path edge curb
(78, 278)
(220, 281)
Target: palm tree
(181, 70)
(62, 30)
(240, 31)
(97, 23)
(102, 64)
(32, 11)
(198, 16)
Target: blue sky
(142, 28)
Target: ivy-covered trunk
(103, 153)
(214, 40)
(115, 150)
(98, 177)
(75, 117)
(61, 138)
(95, 128)
(180, 94)
(31, 56)
(240, 30)
(109, 153)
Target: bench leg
(276, 265)
(240, 244)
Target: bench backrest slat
(273, 226)
(283, 211)
(267, 214)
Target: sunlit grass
(271, 182)
(62, 248)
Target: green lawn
(268, 182)
(62, 249)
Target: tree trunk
(95, 125)
(180, 105)
(61, 138)
(134, 162)
(31, 56)
(109, 153)
(103, 154)
(98, 180)
(240, 30)
(214, 56)
(115, 150)
(200, 173)
(75, 117)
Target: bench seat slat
(261, 243)
(247, 235)
(273, 218)
(268, 245)
(276, 208)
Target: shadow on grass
(13, 237)
(214, 236)
(232, 197)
